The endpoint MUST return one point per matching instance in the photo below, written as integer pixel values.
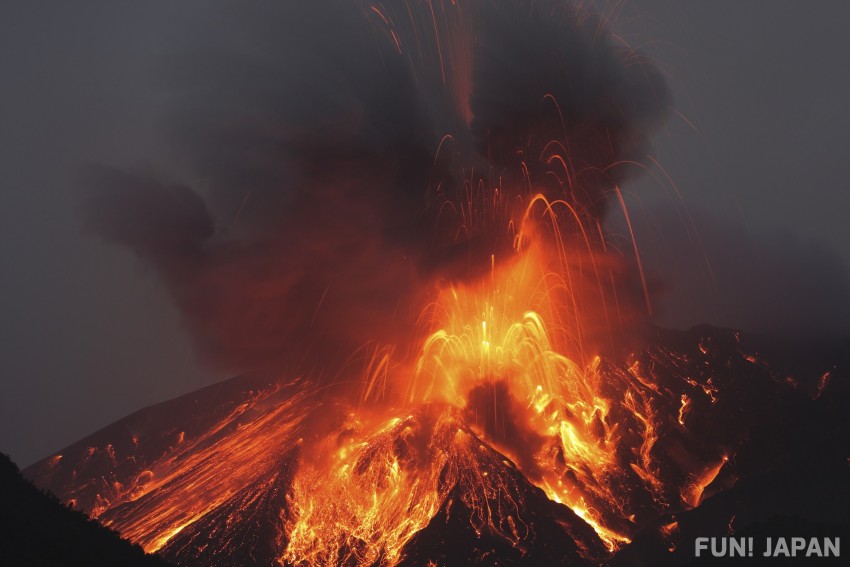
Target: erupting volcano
(445, 348)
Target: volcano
(238, 474)
(417, 236)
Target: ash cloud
(608, 100)
(308, 218)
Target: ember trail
(491, 402)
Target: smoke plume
(329, 154)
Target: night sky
(756, 147)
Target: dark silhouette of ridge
(39, 531)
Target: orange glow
(198, 475)
(692, 493)
(683, 409)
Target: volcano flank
(218, 477)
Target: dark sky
(88, 334)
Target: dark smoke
(503, 420)
(608, 100)
(314, 214)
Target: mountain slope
(259, 469)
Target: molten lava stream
(189, 482)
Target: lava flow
(524, 414)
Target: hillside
(40, 532)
